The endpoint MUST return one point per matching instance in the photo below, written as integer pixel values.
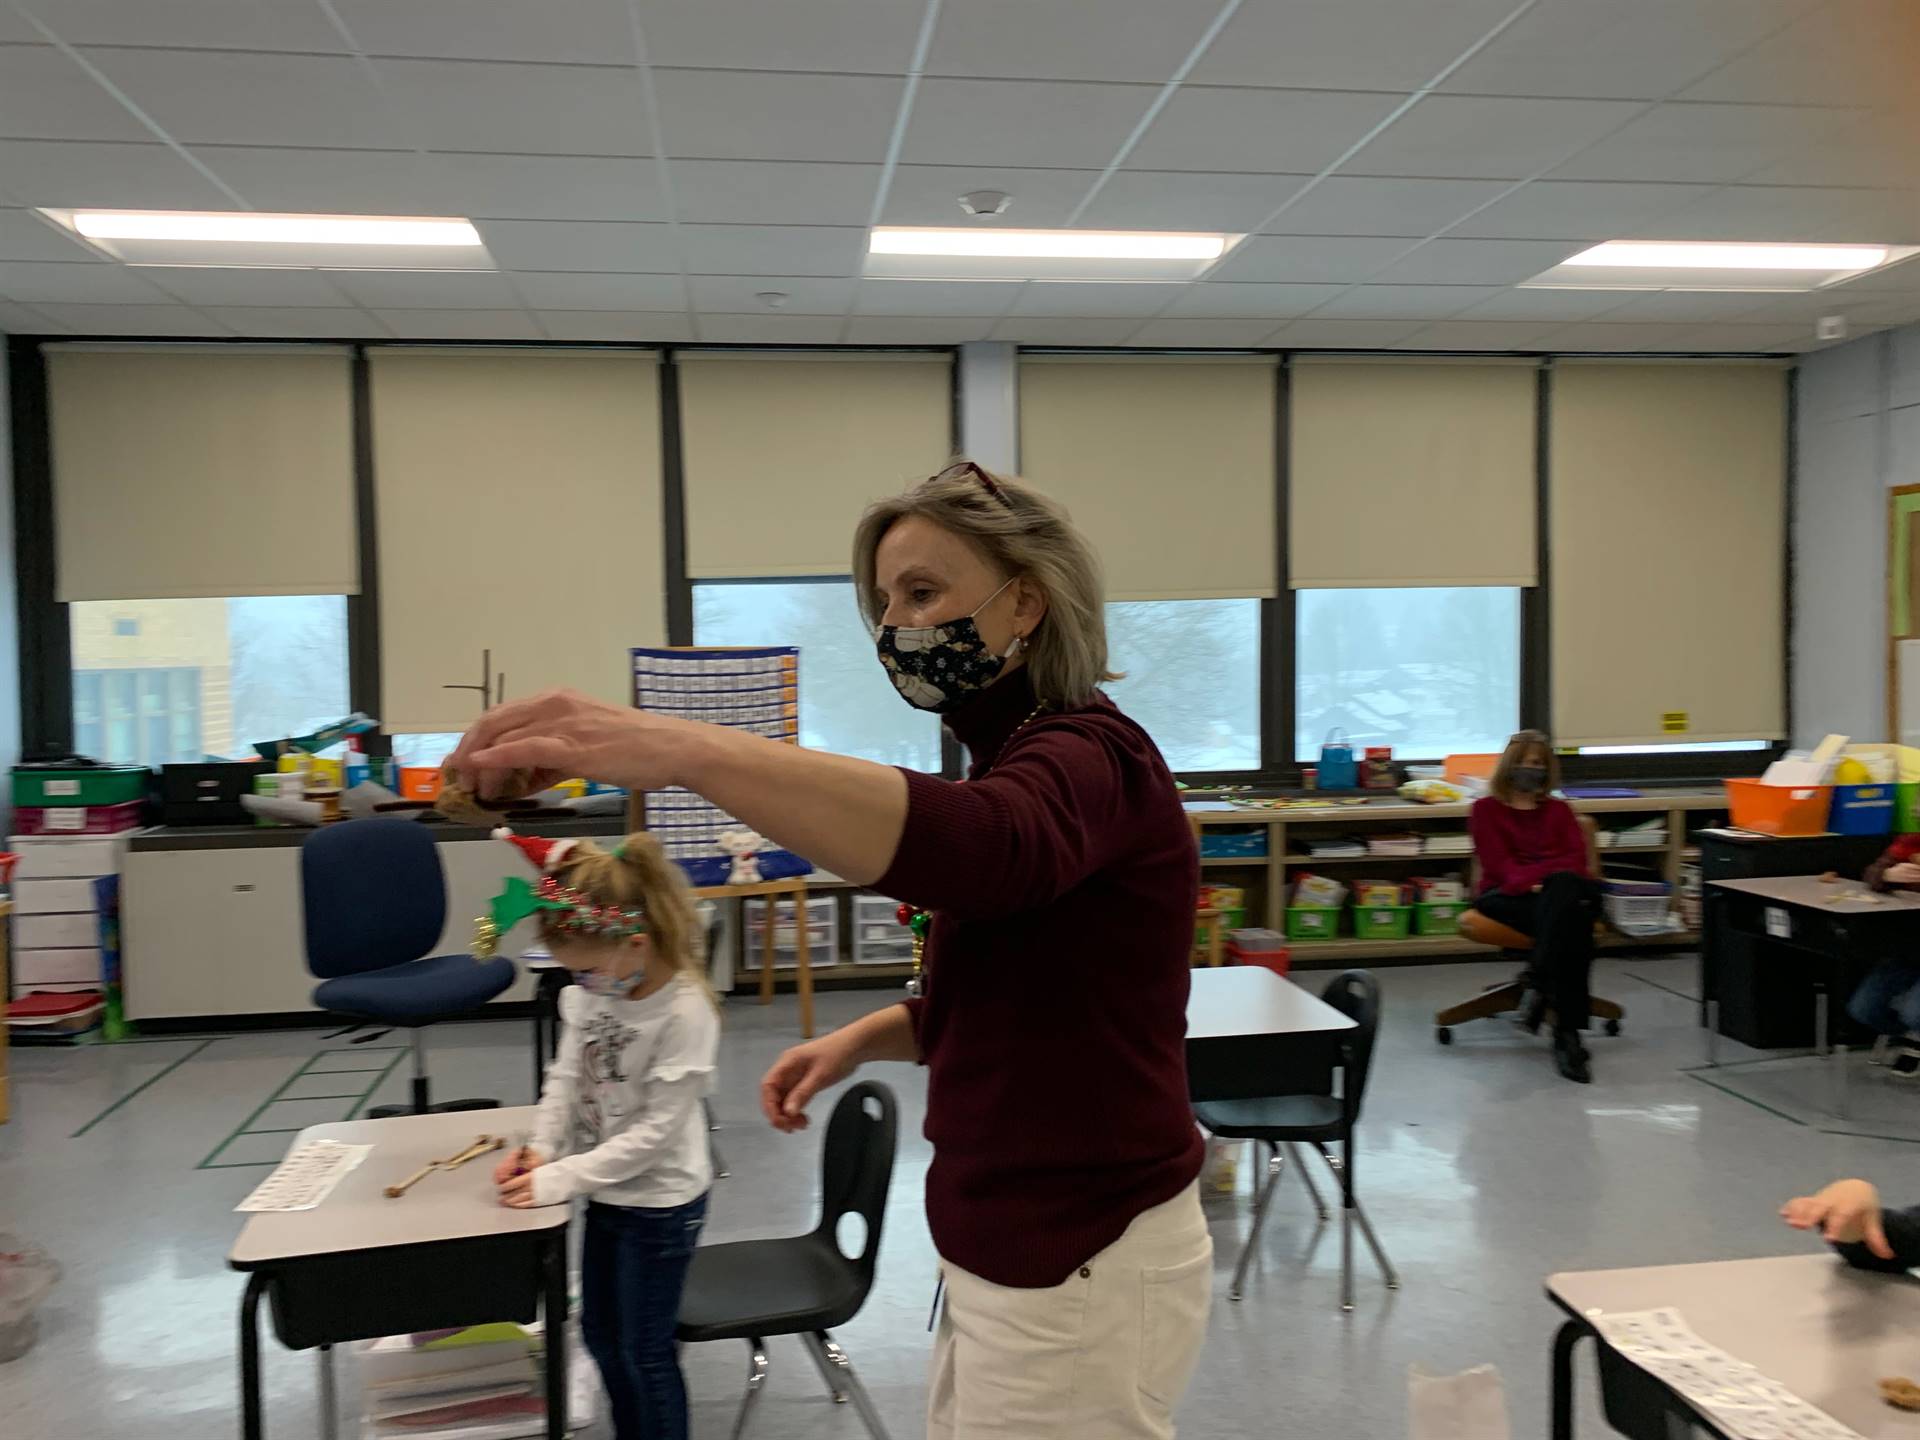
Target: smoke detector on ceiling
(986, 202)
(1830, 327)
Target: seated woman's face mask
(1529, 779)
(941, 667)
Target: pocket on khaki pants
(1173, 1324)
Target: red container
(1278, 961)
(78, 819)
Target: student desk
(446, 1253)
(1252, 1033)
(1826, 1331)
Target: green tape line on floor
(143, 1086)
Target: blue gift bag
(1337, 770)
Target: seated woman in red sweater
(1535, 876)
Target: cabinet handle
(243, 889)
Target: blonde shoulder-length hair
(1023, 534)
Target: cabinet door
(213, 932)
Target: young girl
(620, 1121)
(1887, 1001)
(1535, 876)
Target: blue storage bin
(1218, 843)
(1862, 810)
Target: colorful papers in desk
(483, 1383)
(1740, 1399)
(306, 1177)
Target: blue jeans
(633, 1267)
(1888, 1000)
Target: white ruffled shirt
(620, 1115)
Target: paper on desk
(306, 1177)
(1739, 1398)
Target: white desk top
(1240, 1000)
(1826, 1331)
(447, 1205)
(1841, 897)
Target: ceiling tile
(1491, 137)
(1356, 44)
(583, 32)
(216, 285)
(83, 283)
(1704, 142)
(1030, 330)
(1271, 132)
(915, 330)
(1021, 122)
(110, 176)
(1745, 338)
(1403, 302)
(1051, 40)
(657, 327)
(581, 290)
(25, 236)
(1599, 336)
(1859, 309)
(1846, 52)
(193, 24)
(1067, 297)
(23, 319)
(545, 187)
(132, 319)
(1876, 151)
(580, 245)
(462, 324)
(1477, 335)
(935, 298)
(1363, 205)
(322, 182)
(739, 294)
(44, 94)
(770, 329)
(519, 109)
(1578, 210)
(1226, 299)
(1798, 212)
(215, 97)
(1560, 305)
(1625, 49)
(1344, 334)
(859, 36)
(725, 115)
(791, 192)
(1184, 332)
(773, 249)
(1478, 262)
(930, 195)
(1312, 259)
(298, 323)
(15, 28)
(1695, 306)
(1187, 200)
(428, 290)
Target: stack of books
(1337, 847)
(1445, 844)
(1394, 843)
(481, 1383)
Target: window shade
(1667, 512)
(519, 509)
(783, 452)
(1411, 474)
(192, 472)
(1167, 464)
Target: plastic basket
(1234, 917)
(1438, 917)
(1862, 809)
(1779, 809)
(1639, 908)
(1906, 807)
(1220, 843)
(1381, 922)
(1313, 922)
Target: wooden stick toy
(482, 1145)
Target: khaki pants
(1104, 1356)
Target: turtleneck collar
(985, 722)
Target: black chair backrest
(1356, 994)
(856, 1170)
(373, 895)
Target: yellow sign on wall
(1675, 722)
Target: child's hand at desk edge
(1847, 1212)
(514, 1178)
(517, 1162)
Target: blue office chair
(375, 900)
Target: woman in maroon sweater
(1535, 876)
(1061, 877)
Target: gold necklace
(920, 921)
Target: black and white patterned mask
(941, 667)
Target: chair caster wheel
(1444, 1035)
(1613, 1027)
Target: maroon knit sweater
(1062, 875)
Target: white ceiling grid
(648, 169)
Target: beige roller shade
(1667, 513)
(519, 506)
(782, 452)
(183, 472)
(1166, 463)
(1411, 473)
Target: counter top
(1391, 807)
(267, 837)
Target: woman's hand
(1847, 1212)
(803, 1072)
(561, 735)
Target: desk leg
(250, 1422)
(1713, 1032)
(553, 1311)
(1822, 1037)
(803, 942)
(329, 1396)
(1570, 1335)
(771, 918)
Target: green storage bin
(80, 784)
(1440, 917)
(1313, 922)
(1906, 801)
(1381, 922)
(1234, 918)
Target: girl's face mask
(941, 667)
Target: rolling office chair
(1316, 1120)
(1500, 999)
(805, 1286)
(375, 900)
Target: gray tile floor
(1482, 1169)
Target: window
(1192, 678)
(1430, 671)
(424, 749)
(847, 705)
(177, 680)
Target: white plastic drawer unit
(33, 969)
(67, 857)
(56, 932)
(822, 932)
(53, 897)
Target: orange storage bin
(1470, 767)
(1779, 809)
(420, 782)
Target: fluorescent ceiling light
(255, 229)
(1050, 244)
(1714, 255)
